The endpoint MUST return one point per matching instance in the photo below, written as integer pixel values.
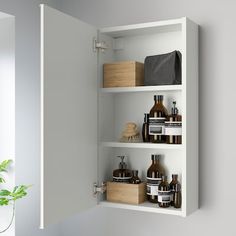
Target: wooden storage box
(126, 193)
(123, 74)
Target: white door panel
(68, 115)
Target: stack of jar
(158, 189)
(159, 127)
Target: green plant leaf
(5, 192)
(15, 188)
(19, 192)
(2, 180)
(7, 196)
(4, 201)
(4, 165)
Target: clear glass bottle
(164, 193)
(145, 128)
(135, 179)
(157, 118)
(173, 126)
(122, 174)
(175, 188)
(154, 175)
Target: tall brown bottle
(164, 193)
(173, 126)
(175, 188)
(154, 175)
(157, 118)
(145, 128)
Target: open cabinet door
(68, 116)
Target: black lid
(146, 117)
(155, 157)
(152, 156)
(158, 97)
(174, 176)
(164, 178)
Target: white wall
(7, 110)
(217, 107)
(26, 14)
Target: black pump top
(122, 164)
(174, 109)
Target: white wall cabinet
(81, 122)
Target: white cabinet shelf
(142, 145)
(145, 207)
(159, 88)
(80, 120)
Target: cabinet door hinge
(99, 45)
(99, 189)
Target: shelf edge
(141, 208)
(141, 145)
(142, 89)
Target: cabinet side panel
(69, 116)
(191, 117)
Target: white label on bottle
(152, 186)
(157, 120)
(173, 131)
(173, 128)
(121, 179)
(156, 129)
(152, 189)
(173, 123)
(157, 125)
(164, 196)
(153, 180)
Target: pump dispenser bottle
(122, 174)
(173, 126)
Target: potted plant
(8, 197)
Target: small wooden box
(126, 193)
(123, 74)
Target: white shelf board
(146, 207)
(142, 145)
(142, 89)
(144, 28)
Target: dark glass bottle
(173, 126)
(154, 175)
(157, 118)
(145, 128)
(135, 179)
(122, 174)
(164, 193)
(175, 188)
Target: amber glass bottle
(164, 193)
(175, 188)
(135, 179)
(154, 175)
(145, 128)
(157, 118)
(173, 126)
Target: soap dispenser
(122, 174)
